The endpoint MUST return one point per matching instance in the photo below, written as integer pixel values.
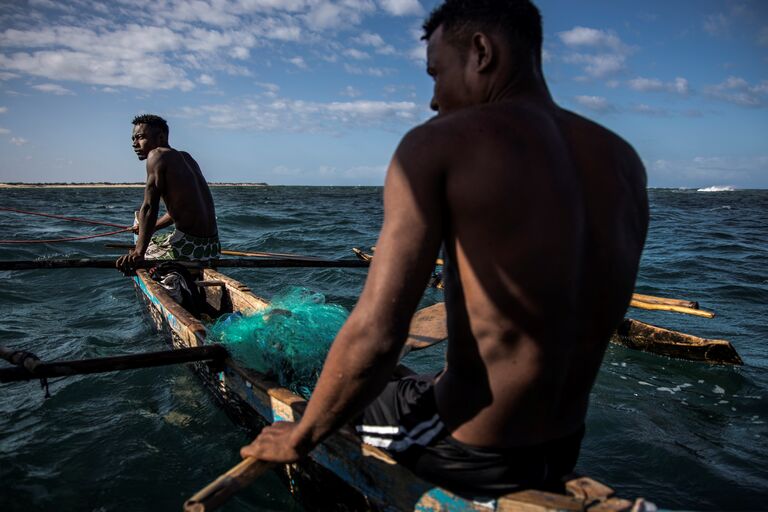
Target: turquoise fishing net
(287, 341)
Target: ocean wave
(716, 188)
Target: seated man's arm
(365, 352)
(147, 214)
(163, 222)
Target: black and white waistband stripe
(396, 438)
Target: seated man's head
(474, 45)
(149, 132)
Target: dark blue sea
(685, 435)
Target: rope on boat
(62, 217)
(70, 239)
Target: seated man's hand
(275, 443)
(127, 263)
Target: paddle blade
(215, 494)
(428, 327)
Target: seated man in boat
(174, 177)
(542, 215)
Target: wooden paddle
(29, 367)
(239, 253)
(214, 263)
(215, 494)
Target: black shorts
(404, 421)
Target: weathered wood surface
(428, 327)
(649, 338)
(651, 306)
(651, 299)
(218, 492)
(364, 471)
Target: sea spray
(287, 341)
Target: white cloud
(600, 52)
(56, 89)
(3, 110)
(4, 75)
(284, 114)
(595, 103)
(298, 62)
(375, 41)
(402, 7)
(356, 54)
(206, 79)
(418, 53)
(679, 85)
(591, 37)
(18, 141)
(598, 66)
(4, 131)
(738, 91)
(324, 15)
(370, 71)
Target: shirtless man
(542, 215)
(174, 177)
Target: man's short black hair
(519, 20)
(152, 120)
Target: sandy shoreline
(112, 185)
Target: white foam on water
(675, 389)
(718, 390)
(717, 188)
(644, 383)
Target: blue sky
(319, 92)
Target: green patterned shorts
(180, 246)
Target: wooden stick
(220, 490)
(32, 368)
(239, 253)
(638, 300)
(368, 257)
(214, 263)
(666, 307)
(663, 300)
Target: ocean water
(684, 435)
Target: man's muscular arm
(147, 214)
(365, 352)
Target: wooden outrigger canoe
(649, 338)
(657, 340)
(342, 473)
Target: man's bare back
(539, 266)
(186, 194)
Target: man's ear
(482, 52)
